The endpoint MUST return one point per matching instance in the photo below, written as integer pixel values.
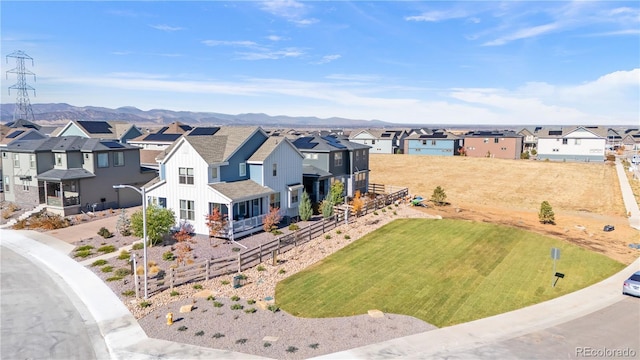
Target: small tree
(159, 222)
(305, 210)
(439, 197)
(217, 222)
(546, 214)
(335, 193)
(357, 203)
(271, 219)
(123, 226)
(327, 207)
(184, 238)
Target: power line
(23, 110)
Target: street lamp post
(143, 193)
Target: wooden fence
(249, 258)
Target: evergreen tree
(439, 197)
(546, 214)
(305, 210)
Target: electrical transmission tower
(23, 110)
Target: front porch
(60, 190)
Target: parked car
(635, 159)
(631, 286)
(608, 228)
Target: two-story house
(70, 173)
(381, 141)
(119, 131)
(435, 142)
(529, 137)
(494, 144)
(241, 171)
(328, 159)
(152, 144)
(573, 143)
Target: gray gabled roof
(64, 174)
(327, 143)
(268, 147)
(242, 190)
(66, 144)
(310, 170)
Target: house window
(187, 210)
(496, 140)
(337, 159)
(294, 196)
(103, 160)
(214, 172)
(243, 169)
(274, 200)
(486, 140)
(357, 155)
(59, 160)
(4, 154)
(565, 141)
(275, 170)
(503, 148)
(577, 142)
(185, 176)
(16, 160)
(32, 161)
(7, 185)
(424, 142)
(373, 142)
(433, 142)
(25, 185)
(118, 158)
(556, 150)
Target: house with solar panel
(119, 131)
(240, 171)
(328, 159)
(152, 144)
(572, 143)
(433, 142)
(381, 141)
(69, 174)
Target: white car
(631, 286)
(635, 159)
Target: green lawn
(444, 272)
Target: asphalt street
(41, 317)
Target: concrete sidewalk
(627, 196)
(124, 337)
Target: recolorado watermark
(603, 352)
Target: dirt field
(584, 196)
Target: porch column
(230, 221)
(61, 194)
(46, 195)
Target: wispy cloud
(327, 59)
(437, 16)
(238, 43)
(271, 54)
(167, 28)
(291, 10)
(524, 34)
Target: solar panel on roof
(161, 131)
(386, 135)
(96, 127)
(199, 131)
(332, 141)
(555, 132)
(112, 144)
(304, 143)
(14, 134)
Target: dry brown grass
(584, 196)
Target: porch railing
(247, 224)
(67, 201)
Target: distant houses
(575, 143)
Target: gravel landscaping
(213, 323)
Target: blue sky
(419, 62)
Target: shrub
(327, 236)
(122, 272)
(261, 268)
(84, 247)
(294, 227)
(236, 307)
(338, 231)
(439, 197)
(235, 249)
(168, 256)
(105, 233)
(250, 310)
(20, 224)
(524, 155)
(137, 246)
(107, 249)
(211, 298)
(182, 328)
(235, 298)
(174, 293)
(546, 215)
(314, 346)
(305, 210)
(49, 221)
(99, 262)
(114, 278)
(159, 222)
(217, 304)
(267, 344)
(200, 333)
(107, 269)
(83, 253)
(282, 271)
(124, 255)
(144, 304)
(123, 226)
(534, 152)
(251, 301)
(197, 287)
(273, 308)
(346, 236)
(271, 220)
(375, 213)
(276, 232)
(292, 349)
(225, 282)
(128, 293)
(217, 335)
(241, 341)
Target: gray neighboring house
(333, 158)
(70, 174)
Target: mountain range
(58, 114)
